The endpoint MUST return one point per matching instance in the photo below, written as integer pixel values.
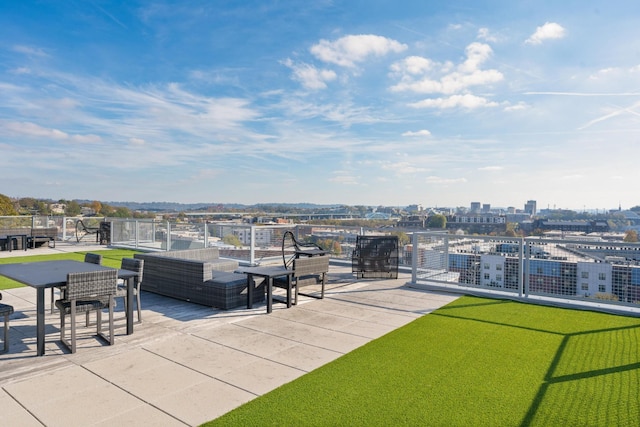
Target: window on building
(487, 266)
(486, 276)
(585, 274)
(585, 286)
(499, 267)
(602, 276)
(499, 277)
(602, 288)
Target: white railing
(583, 273)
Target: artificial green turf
(110, 258)
(474, 362)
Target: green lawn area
(474, 362)
(110, 258)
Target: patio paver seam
(22, 406)
(299, 341)
(133, 395)
(214, 377)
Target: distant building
(530, 207)
(518, 217)
(578, 226)
(475, 207)
(486, 208)
(87, 211)
(485, 223)
(58, 208)
(412, 221)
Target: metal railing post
(64, 228)
(168, 235)
(252, 248)
(414, 258)
(526, 265)
(521, 278)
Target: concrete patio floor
(187, 364)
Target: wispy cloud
(309, 76)
(420, 133)
(441, 180)
(455, 101)
(30, 50)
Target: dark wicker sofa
(196, 275)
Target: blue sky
(438, 103)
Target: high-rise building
(530, 207)
(475, 207)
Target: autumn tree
(337, 248)
(232, 239)
(6, 206)
(96, 206)
(631, 236)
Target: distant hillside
(181, 207)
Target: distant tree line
(33, 206)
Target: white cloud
(403, 168)
(33, 130)
(484, 34)
(477, 53)
(344, 178)
(422, 132)
(491, 168)
(516, 107)
(463, 101)
(548, 31)
(136, 141)
(309, 76)
(421, 75)
(413, 65)
(440, 180)
(348, 50)
(88, 139)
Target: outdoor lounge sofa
(196, 275)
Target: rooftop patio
(187, 364)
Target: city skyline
(330, 102)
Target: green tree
(6, 206)
(122, 212)
(437, 221)
(403, 238)
(72, 208)
(41, 207)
